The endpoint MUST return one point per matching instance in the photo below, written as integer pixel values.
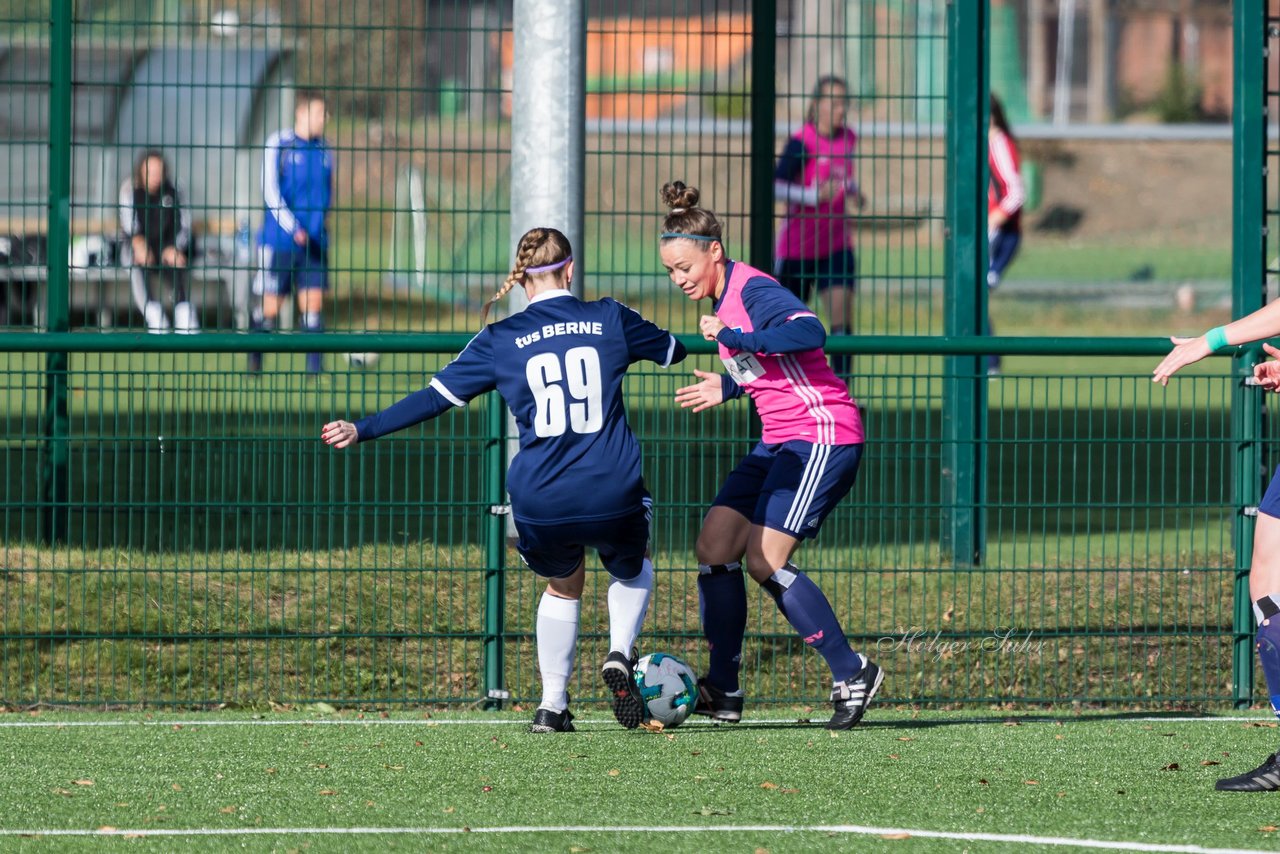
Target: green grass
(1102, 777)
(1116, 621)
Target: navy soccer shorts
(554, 551)
(1271, 498)
(791, 487)
(296, 268)
(802, 276)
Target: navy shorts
(791, 487)
(1271, 498)
(554, 551)
(296, 268)
(802, 275)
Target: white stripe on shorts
(814, 468)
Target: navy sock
(841, 363)
(1267, 610)
(807, 610)
(722, 602)
(313, 321)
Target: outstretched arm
(1263, 323)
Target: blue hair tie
(702, 237)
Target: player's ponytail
(538, 248)
(687, 221)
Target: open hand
(1186, 351)
(1267, 374)
(703, 395)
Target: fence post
(495, 591)
(548, 123)
(1248, 293)
(764, 51)
(55, 485)
(965, 383)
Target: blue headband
(547, 268)
(702, 237)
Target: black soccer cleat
(852, 696)
(619, 674)
(1264, 778)
(548, 720)
(720, 705)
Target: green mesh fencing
(174, 532)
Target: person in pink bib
(816, 179)
(771, 345)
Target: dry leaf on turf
(895, 836)
(327, 792)
(84, 782)
(768, 785)
(1172, 766)
(1269, 828)
(227, 810)
(1210, 762)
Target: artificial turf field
(903, 782)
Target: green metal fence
(173, 532)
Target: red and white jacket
(1006, 190)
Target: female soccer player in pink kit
(780, 493)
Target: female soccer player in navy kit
(780, 493)
(576, 480)
(1264, 565)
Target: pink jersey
(822, 231)
(797, 395)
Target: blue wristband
(1216, 338)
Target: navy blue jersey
(559, 365)
(297, 186)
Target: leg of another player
(311, 308)
(838, 301)
(854, 677)
(800, 600)
(557, 633)
(722, 596)
(1264, 590)
(628, 603)
(264, 320)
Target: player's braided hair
(686, 217)
(538, 247)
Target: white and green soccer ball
(668, 687)
(360, 361)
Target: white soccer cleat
(153, 314)
(185, 319)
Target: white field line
(852, 829)
(747, 724)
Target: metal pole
(495, 596)
(548, 123)
(548, 157)
(964, 384)
(764, 27)
(1248, 294)
(55, 519)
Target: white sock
(628, 602)
(557, 642)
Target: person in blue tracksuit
(576, 482)
(293, 243)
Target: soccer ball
(668, 687)
(362, 360)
